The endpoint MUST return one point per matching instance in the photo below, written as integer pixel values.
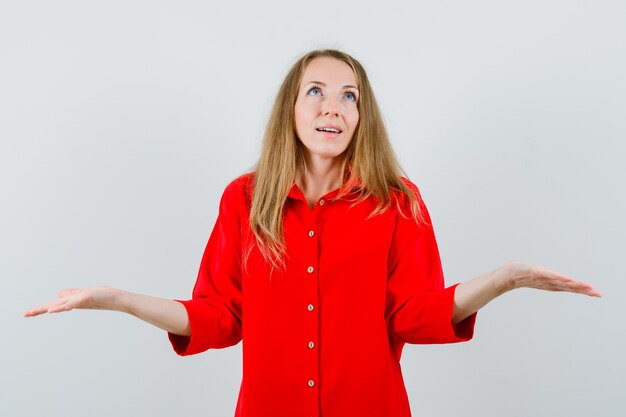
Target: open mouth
(328, 129)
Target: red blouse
(324, 336)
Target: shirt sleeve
(419, 307)
(215, 308)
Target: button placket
(312, 313)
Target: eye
(315, 91)
(350, 96)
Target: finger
(44, 308)
(35, 311)
(587, 290)
(55, 306)
(62, 305)
(49, 306)
(547, 273)
(568, 284)
(557, 276)
(582, 288)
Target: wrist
(506, 279)
(122, 301)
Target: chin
(327, 154)
(324, 150)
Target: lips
(329, 128)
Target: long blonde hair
(373, 166)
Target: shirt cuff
(204, 329)
(437, 326)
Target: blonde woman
(323, 261)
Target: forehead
(330, 71)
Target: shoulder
(401, 195)
(409, 201)
(239, 190)
(411, 185)
(242, 182)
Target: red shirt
(324, 336)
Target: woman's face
(326, 113)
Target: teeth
(328, 129)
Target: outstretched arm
(472, 295)
(166, 314)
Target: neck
(319, 176)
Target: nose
(330, 106)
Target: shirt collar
(296, 193)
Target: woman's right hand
(95, 298)
(166, 314)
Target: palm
(76, 298)
(531, 276)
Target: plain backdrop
(121, 122)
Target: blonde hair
(369, 163)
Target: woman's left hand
(521, 275)
(472, 295)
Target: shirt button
(310, 270)
(322, 202)
(311, 345)
(311, 383)
(310, 307)
(311, 233)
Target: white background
(121, 122)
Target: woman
(328, 253)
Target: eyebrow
(324, 84)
